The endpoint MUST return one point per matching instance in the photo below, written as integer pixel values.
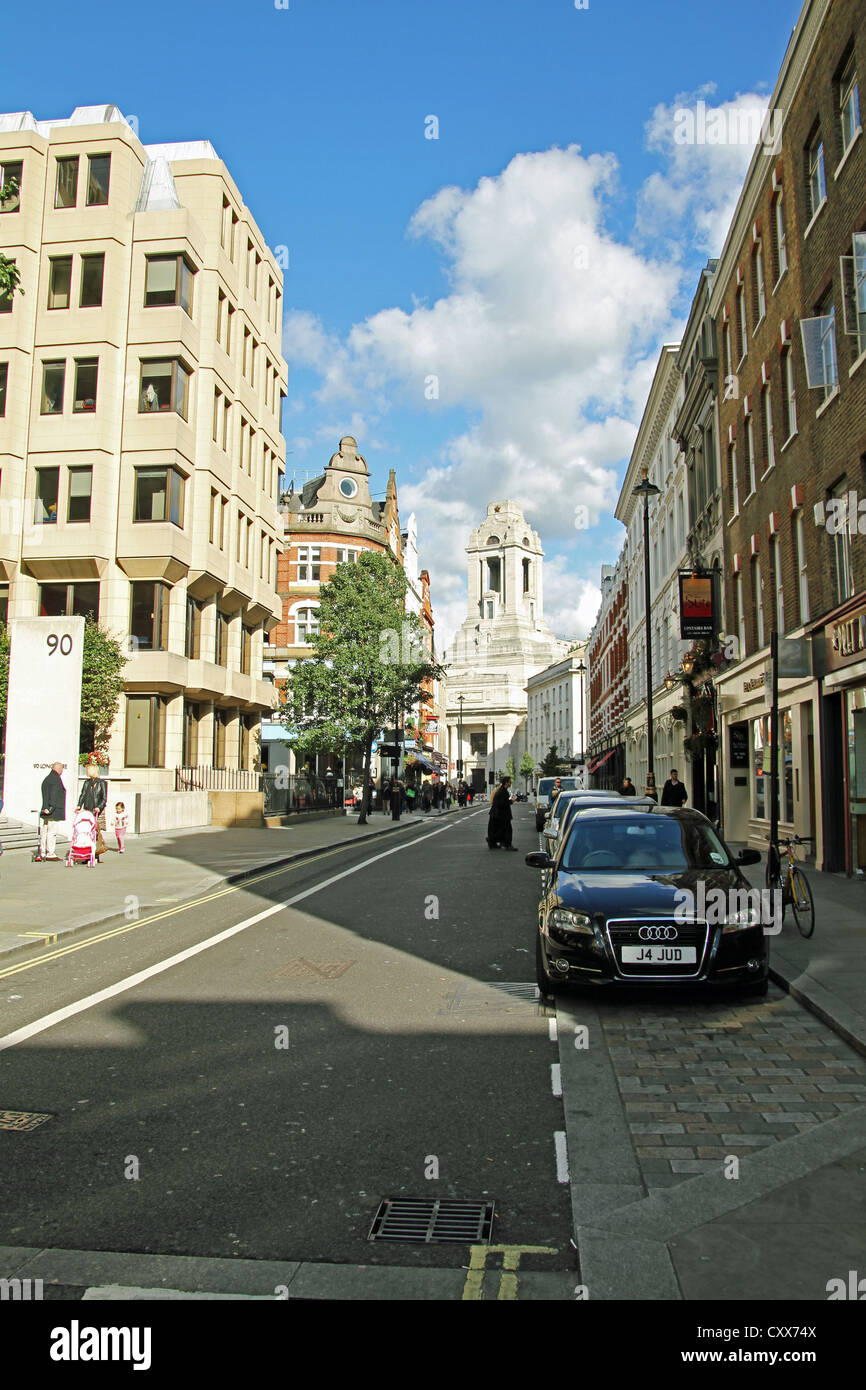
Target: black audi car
(650, 895)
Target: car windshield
(646, 844)
(545, 786)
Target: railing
(216, 779)
(287, 795)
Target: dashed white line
(561, 1156)
(556, 1079)
(551, 1027)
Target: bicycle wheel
(802, 903)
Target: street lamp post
(459, 758)
(581, 671)
(646, 490)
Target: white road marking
(556, 1079)
(561, 1156)
(552, 1029)
(61, 1015)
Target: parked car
(556, 826)
(612, 909)
(575, 796)
(542, 796)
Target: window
(4, 376)
(66, 187)
(59, 282)
(781, 240)
(246, 650)
(854, 291)
(849, 105)
(525, 575)
(159, 495)
(829, 359)
(69, 600)
(758, 585)
(306, 625)
(218, 511)
(86, 371)
(192, 630)
(769, 435)
(348, 487)
(742, 325)
(732, 473)
(221, 643)
(750, 454)
(148, 615)
(168, 280)
(53, 382)
(221, 419)
(164, 386)
(6, 297)
(309, 563)
(778, 590)
(98, 173)
(92, 274)
(47, 486)
(840, 536)
(802, 575)
(145, 731)
(220, 724)
(10, 186)
(80, 490)
(347, 556)
(789, 395)
(760, 291)
(817, 181)
(191, 718)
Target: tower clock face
(348, 487)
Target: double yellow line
(50, 955)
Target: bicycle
(794, 884)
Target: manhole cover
(22, 1119)
(312, 969)
(426, 1219)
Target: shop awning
(593, 767)
(422, 762)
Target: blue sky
(532, 258)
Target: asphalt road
(378, 1038)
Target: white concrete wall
(169, 811)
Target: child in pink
(121, 824)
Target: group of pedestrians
(673, 791)
(92, 800)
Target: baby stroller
(83, 847)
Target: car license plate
(659, 955)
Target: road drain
(21, 1120)
(426, 1219)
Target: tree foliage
(367, 667)
(527, 766)
(553, 764)
(101, 681)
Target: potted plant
(679, 714)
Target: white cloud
(545, 344)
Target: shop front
(844, 747)
(605, 763)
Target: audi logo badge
(658, 933)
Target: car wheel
(542, 979)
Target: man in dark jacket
(673, 791)
(627, 788)
(53, 810)
(499, 819)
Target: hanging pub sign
(697, 604)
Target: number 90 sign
(62, 644)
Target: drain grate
(21, 1120)
(426, 1219)
(303, 969)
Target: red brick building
(608, 688)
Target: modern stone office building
(141, 381)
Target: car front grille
(655, 931)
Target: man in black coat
(53, 810)
(499, 819)
(673, 791)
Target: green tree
(369, 662)
(527, 768)
(552, 765)
(101, 683)
(509, 767)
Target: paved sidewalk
(47, 901)
(827, 972)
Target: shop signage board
(738, 745)
(697, 604)
(846, 640)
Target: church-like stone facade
(503, 641)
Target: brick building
(789, 301)
(608, 696)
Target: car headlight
(571, 921)
(739, 921)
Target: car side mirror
(749, 856)
(539, 860)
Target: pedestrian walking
(121, 825)
(93, 798)
(53, 811)
(410, 799)
(628, 787)
(673, 791)
(499, 819)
